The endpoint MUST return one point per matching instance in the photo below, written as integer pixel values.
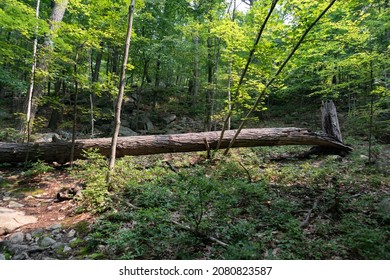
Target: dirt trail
(28, 203)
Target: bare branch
(262, 94)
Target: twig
(247, 171)
(193, 231)
(171, 166)
(355, 195)
(207, 148)
(307, 219)
(132, 206)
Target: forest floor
(256, 203)
(260, 203)
(36, 195)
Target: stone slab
(11, 219)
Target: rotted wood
(173, 143)
(330, 127)
(330, 121)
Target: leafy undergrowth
(253, 204)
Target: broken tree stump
(330, 127)
(330, 121)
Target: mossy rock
(97, 256)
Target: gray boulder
(47, 241)
(46, 137)
(169, 118)
(11, 219)
(14, 204)
(54, 227)
(67, 249)
(21, 256)
(125, 131)
(71, 233)
(17, 237)
(142, 123)
(17, 249)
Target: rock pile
(52, 243)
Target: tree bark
(32, 78)
(210, 83)
(118, 108)
(75, 94)
(330, 122)
(195, 92)
(57, 111)
(31, 104)
(95, 72)
(174, 143)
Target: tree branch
(248, 62)
(262, 94)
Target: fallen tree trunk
(174, 143)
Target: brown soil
(39, 196)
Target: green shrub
(38, 168)
(10, 135)
(93, 172)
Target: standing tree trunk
(95, 70)
(115, 60)
(76, 93)
(145, 72)
(229, 93)
(217, 56)
(229, 83)
(56, 114)
(158, 70)
(196, 69)
(121, 91)
(31, 105)
(157, 81)
(32, 79)
(210, 86)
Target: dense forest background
(200, 66)
(186, 57)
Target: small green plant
(7, 255)
(38, 168)
(10, 135)
(76, 243)
(195, 193)
(82, 228)
(364, 241)
(297, 209)
(93, 172)
(147, 235)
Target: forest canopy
(186, 56)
